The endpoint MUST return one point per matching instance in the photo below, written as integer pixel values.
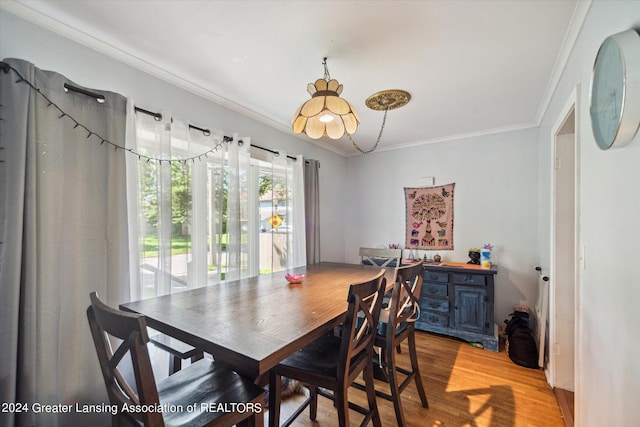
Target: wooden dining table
(252, 324)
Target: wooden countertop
(462, 266)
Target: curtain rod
(67, 87)
(207, 132)
(100, 98)
(271, 151)
(5, 67)
(157, 116)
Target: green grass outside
(180, 244)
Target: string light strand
(94, 135)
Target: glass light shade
(312, 117)
(326, 118)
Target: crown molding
(569, 42)
(457, 137)
(33, 16)
(38, 18)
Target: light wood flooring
(466, 386)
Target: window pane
(208, 217)
(274, 212)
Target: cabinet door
(470, 308)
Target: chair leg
(416, 369)
(313, 403)
(252, 421)
(175, 364)
(342, 405)
(394, 386)
(199, 355)
(371, 394)
(274, 399)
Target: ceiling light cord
(327, 77)
(384, 120)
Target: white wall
(495, 202)
(607, 347)
(86, 67)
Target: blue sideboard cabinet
(457, 300)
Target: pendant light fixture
(326, 114)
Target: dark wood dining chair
(333, 363)
(382, 257)
(204, 386)
(397, 326)
(178, 350)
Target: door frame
(571, 107)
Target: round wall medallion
(614, 98)
(388, 99)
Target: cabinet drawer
(469, 279)
(434, 289)
(435, 276)
(435, 304)
(435, 319)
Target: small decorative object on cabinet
(485, 256)
(457, 300)
(437, 258)
(474, 256)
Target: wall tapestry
(429, 217)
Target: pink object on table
(294, 278)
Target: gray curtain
(63, 230)
(312, 209)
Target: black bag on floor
(521, 344)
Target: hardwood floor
(466, 386)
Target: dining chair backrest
(382, 257)
(404, 303)
(397, 326)
(365, 301)
(108, 326)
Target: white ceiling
(472, 67)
